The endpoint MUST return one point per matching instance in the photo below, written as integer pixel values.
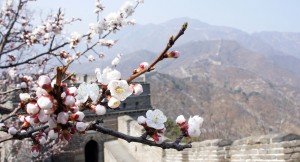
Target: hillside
(242, 84)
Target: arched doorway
(91, 151)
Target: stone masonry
(266, 148)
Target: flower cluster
(54, 24)
(192, 128)
(154, 124)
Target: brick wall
(265, 148)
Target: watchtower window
(91, 151)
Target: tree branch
(33, 58)
(165, 145)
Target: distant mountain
(242, 84)
(284, 42)
(238, 91)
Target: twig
(171, 42)
(12, 114)
(9, 91)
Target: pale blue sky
(247, 15)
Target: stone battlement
(265, 148)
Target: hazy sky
(247, 15)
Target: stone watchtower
(90, 146)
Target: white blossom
(107, 75)
(91, 58)
(107, 43)
(127, 8)
(75, 38)
(194, 124)
(116, 60)
(86, 90)
(155, 119)
(119, 89)
(12, 72)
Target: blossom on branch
(119, 89)
(155, 119)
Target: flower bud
(21, 118)
(71, 91)
(74, 108)
(12, 130)
(35, 151)
(62, 117)
(180, 119)
(23, 85)
(100, 110)
(32, 108)
(141, 120)
(144, 65)
(44, 82)
(42, 139)
(173, 54)
(113, 103)
(45, 102)
(52, 123)
(69, 100)
(52, 134)
(40, 92)
(137, 89)
(81, 126)
(77, 116)
(24, 96)
(43, 117)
